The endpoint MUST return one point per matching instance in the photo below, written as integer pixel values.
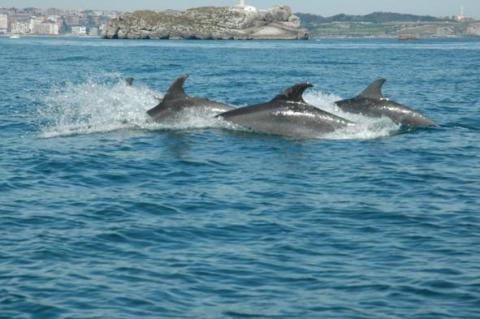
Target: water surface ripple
(104, 214)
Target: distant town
(34, 21)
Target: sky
(438, 8)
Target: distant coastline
(241, 22)
(312, 38)
(389, 25)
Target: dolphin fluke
(374, 90)
(294, 93)
(176, 90)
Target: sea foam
(365, 127)
(101, 106)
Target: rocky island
(241, 22)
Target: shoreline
(246, 40)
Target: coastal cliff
(223, 23)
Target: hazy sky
(323, 7)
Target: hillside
(387, 24)
(375, 17)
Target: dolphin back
(175, 92)
(372, 103)
(177, 101)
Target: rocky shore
(222, 23)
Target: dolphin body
(129, 81)
(176, 102)
(372, 103)
(287, 114)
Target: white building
(19, 27)
(79, 30)
(3, 23)
(461, 17)
(35, 21)
(54, 28)
(243, 6)
(46, 28)
(55, 18)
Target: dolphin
(176, 101)
(129, 81)
(287, 114)
(372, 103)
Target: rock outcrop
(222, 23)
(473, 29)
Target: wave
(93, 107)
(74, 59)
(100, 106)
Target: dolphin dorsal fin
(176, 89)
(129, 81)
(294, 93)
(374, 90)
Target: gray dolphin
(129, 81)
(177, 101)
(372, 103)
(287, 114)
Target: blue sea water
(104, 214)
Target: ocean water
(104, 214)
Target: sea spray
(98, 106)
(101, 105)
(365, 127)
(94, 106)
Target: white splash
(98, 107)
(365, 127)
